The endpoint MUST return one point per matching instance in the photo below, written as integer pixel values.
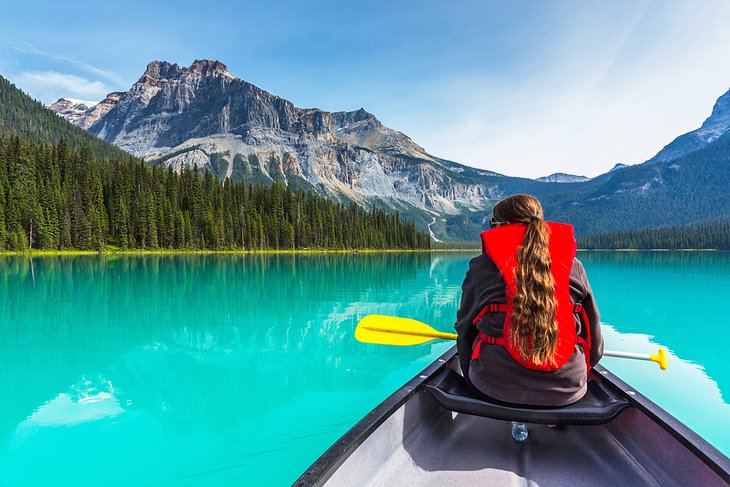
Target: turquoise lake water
(218, 369)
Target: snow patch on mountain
(561, 177)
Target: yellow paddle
(391, 330)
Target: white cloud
(27, 48)
(49, 86)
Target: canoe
(432, 432)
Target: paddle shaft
(438, 335)
(453, 336)
(391, 330)
(635, 356)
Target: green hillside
(28, 119)
(691, 189)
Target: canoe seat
(600, 404)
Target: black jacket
(495, 373)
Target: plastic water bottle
(519, 431)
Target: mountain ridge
(714, 126)
(204, 116)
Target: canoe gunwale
(327, 464)
(701, 448)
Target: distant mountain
(694, 188)
(687, 182)
(72, 109)
(84, 113)
(561, 177)
(716, 125)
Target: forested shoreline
(63, 189)
(714, 236)
(54, 198)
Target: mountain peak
(72, 109)
(719, 120)
(355, 116)
(715, 126)
(162, 70)
(208, 67)
(362, 114)
(158, 70)
(85, 113)
(73, 102)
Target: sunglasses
(494, 223)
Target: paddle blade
(391, 330)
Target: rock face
(203, 115)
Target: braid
(534, 325)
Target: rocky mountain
(716, 125)
(84, 113)
(561, 177)
(72, 109)
(203, 115)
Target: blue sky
(520, 87)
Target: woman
(528, 325)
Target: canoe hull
(409, 439)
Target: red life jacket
(501, 244)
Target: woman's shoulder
(480, 261)
(482, 265)
(578, 277)
(578, 266)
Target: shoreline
(42, 253)
(652, 250)
(141, 252)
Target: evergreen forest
(704, 236)
(53, 197)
